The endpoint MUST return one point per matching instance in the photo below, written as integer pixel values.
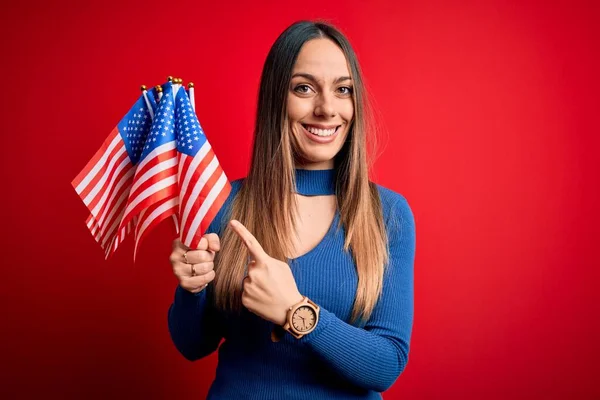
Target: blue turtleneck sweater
(337, 360)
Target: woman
(312, 288)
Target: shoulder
(393, 203)
(397, 213)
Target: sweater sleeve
(372, 357)
(195, 326)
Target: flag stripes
(155, 164)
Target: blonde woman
(307, 271)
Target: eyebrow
(312, 78)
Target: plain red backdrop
(490, 117)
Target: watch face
(303, 319)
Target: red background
(490, 117)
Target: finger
(214, 244)
(249, 240)
(202, 268)
(177, 256)
(199, 256)
(196, 282)
(247, 302)
(203, 244)
(183, 271)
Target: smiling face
(319, 103)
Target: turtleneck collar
(315, 182)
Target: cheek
(298, 108)
(346, 110)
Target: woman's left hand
(269, 289)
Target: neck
(328, 164)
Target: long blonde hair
(265, 203)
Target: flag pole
(177, 82)
(159, 91)
(192, 98)
(174, 81)
(145, 92)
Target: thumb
(214, 243)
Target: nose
(325, 106)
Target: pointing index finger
(249, 240)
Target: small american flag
(133, 181)
(105, 182)
(203, 186)
(155, 178)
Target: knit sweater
(338, 360)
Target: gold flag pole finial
(143, 87)
(170, 78)
(158, 88)
(190, 85)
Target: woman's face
(319, 103)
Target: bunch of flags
(155, 164)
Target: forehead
(323, 59)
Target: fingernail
(233, 222)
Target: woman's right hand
(195, 268)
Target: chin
(312, 153)
(321, 157)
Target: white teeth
(320, 132)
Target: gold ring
(185, 257)
(193, 270)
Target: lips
(320, 126)
(321, 130)
(312, 134)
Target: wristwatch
(302, 319)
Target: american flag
(203, 186)
(133, 182)
(155, 178)
(104, 183)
